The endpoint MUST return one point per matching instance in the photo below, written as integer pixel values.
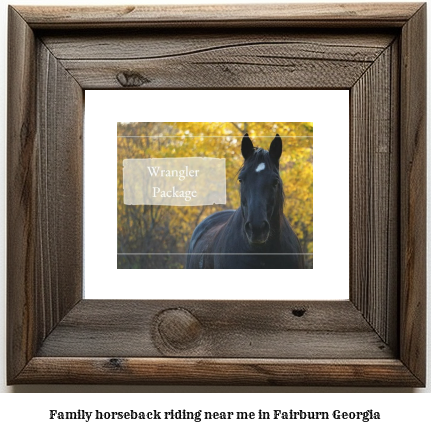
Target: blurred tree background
(161, 233)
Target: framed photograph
(158, 236)
(180, 206)
(58, 332)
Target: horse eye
(275, 182)
(240, 180)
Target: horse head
(261, 190)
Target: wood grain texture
(205, 59)
(230, 71)
(413, 194)
(251, 60)
(240, 329)
(392, 300)
(300, 14)
(197, 371)
(53, 336)
(147, 44)
(21, 194)
(59, 171)
(45, 106)
(374, 195)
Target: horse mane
(260, 155)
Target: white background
(401, 410)
(104, 108)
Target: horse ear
(247, 148)
(276, 148)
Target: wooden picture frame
(376, 338)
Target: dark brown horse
(257, 234)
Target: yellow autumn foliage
(160, 234)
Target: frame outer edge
(199, 371)
(21, 193)
(21, 199)
(293, 14)
(413, 195)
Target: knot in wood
(131, 79)
(298, 312)
(178, 329)
(115, 363)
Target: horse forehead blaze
(260, 167)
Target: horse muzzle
(257, 233)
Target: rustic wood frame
(377, 338)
